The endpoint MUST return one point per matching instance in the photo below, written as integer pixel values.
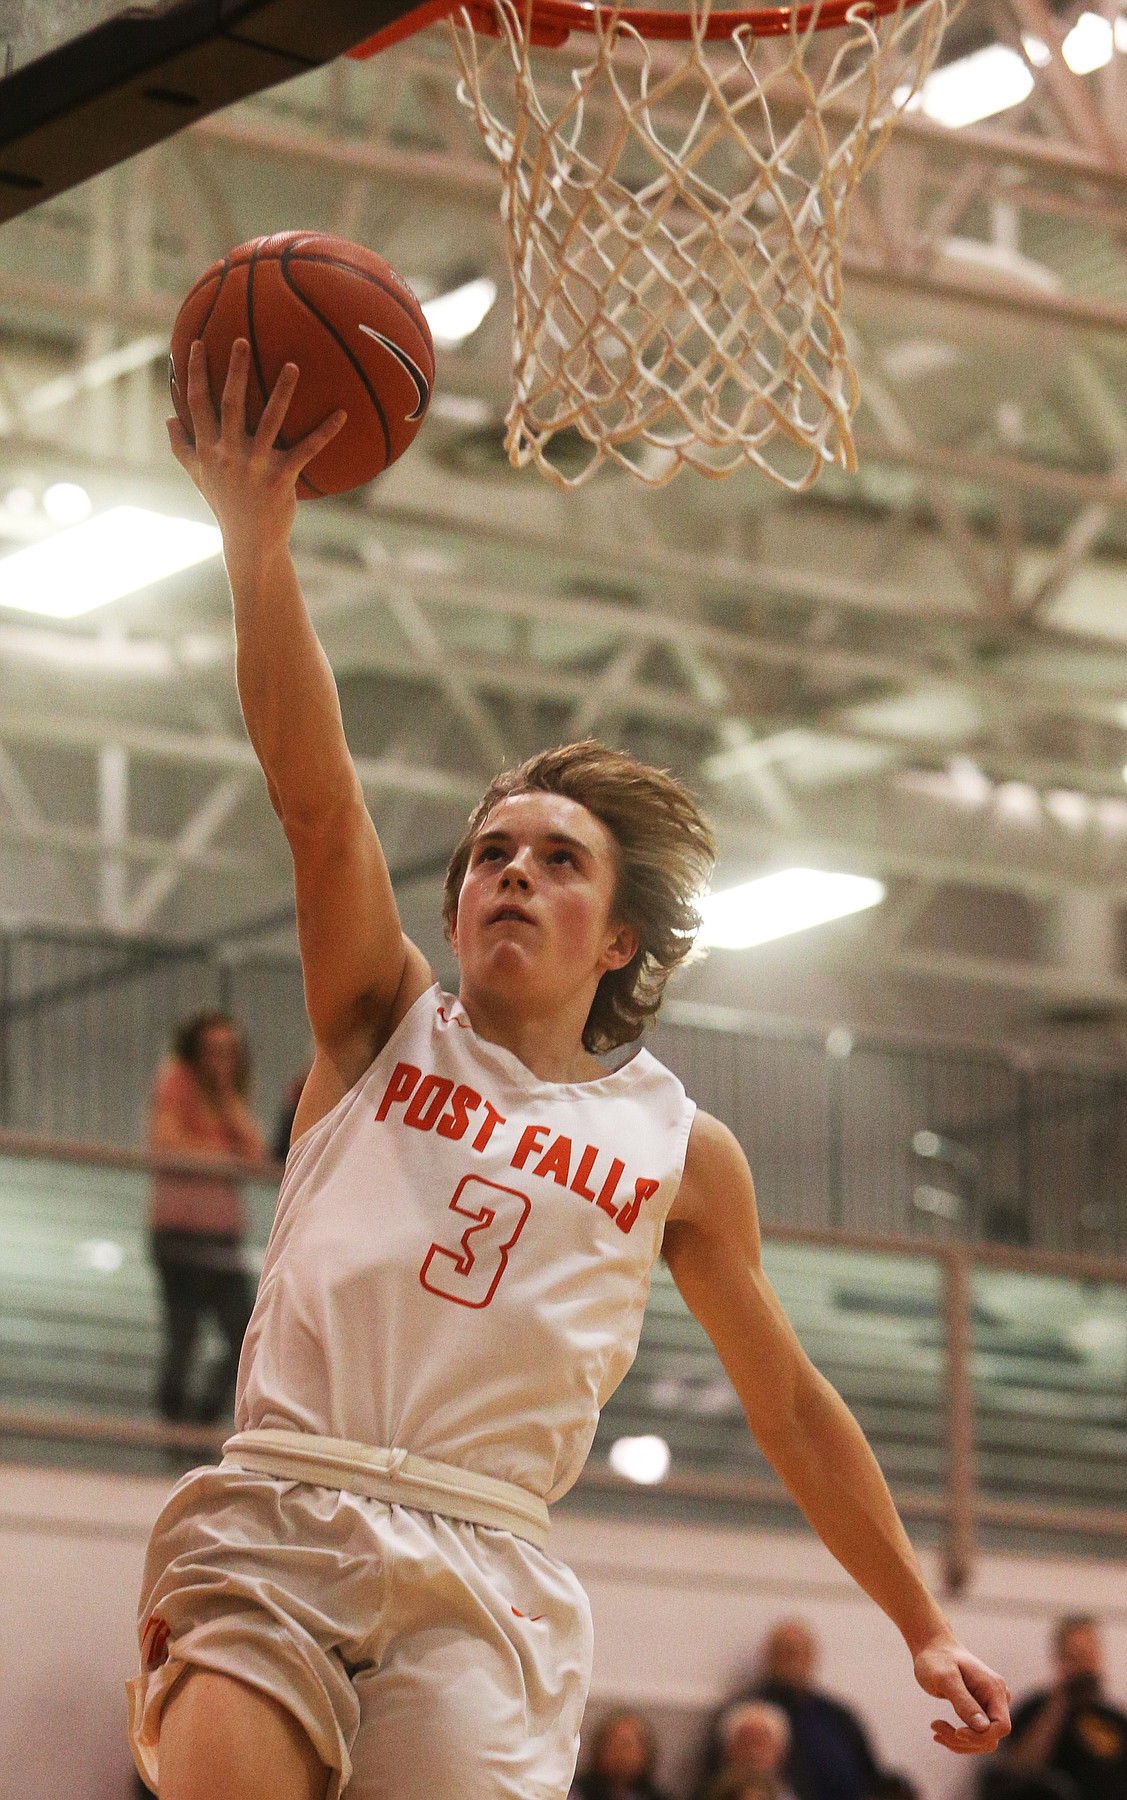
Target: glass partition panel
(1050, 1382)
(873, 1324)
(80, 1318)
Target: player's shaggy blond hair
(666, 852)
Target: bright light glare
(19, 500)
(65, 503)
(111, 555)
(101, 1254)
(975, 87)
(644, 1459)
(453, 316)
(1089, 45)
(775, 906)
(1037, 50)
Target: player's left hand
(980, 1698)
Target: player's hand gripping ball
(349, 322)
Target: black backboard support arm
(136, 79)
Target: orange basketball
(349, 322)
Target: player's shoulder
(712, 1143)
(716, 1169)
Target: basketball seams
(223, 272)
(289, 252)
(283, 265)
(218, 274)
(415, 313)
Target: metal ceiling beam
(213, 749)
(87, 842)
(184, 852)
(752, 647)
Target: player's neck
(550, 1045)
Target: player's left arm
(806, 1431)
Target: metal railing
(992, 1404)
(893, 1133)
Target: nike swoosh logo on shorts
(422, 385)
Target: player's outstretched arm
(358, 967)
(807, 1432)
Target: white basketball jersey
(462, 1252)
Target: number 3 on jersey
(469, 1274)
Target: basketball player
(360, 1595)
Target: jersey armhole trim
(300, 1145)
(690, 1113)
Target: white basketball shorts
(423, 1655)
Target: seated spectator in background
(1068, 1740)
(893, 1786)
(621, 1762)
(737, 1786)
(199, 1108)
(830, 1755)
(754, 1744)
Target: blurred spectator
(199, 1107)
(754, 1744)
(893, 1786)
(830, 1755)
(739, 1785)
(621, 1761)
(1068, 1741)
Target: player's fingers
(970, 1708)
(181, 444)
(274, 412)
(233, 406)
(312, 445)
(989, 1692)
(964, 1741)
(204, 421)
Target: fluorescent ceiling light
(644, 1459)
(453, 316)
(1089, 45)
(775, 906)
(975, 87)
(109, 556)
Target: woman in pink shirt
(199, 1108)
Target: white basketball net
(675, 215)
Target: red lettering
(455, 1123)
(586, 1164)
(403, 1079)
(529, 1145)
(643, 1188)
(617, 1170)
(492, 1119)
(556, 1161)
(429, 1099)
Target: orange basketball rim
(553, 21)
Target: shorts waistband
(395, 1477)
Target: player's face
(537, 898)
